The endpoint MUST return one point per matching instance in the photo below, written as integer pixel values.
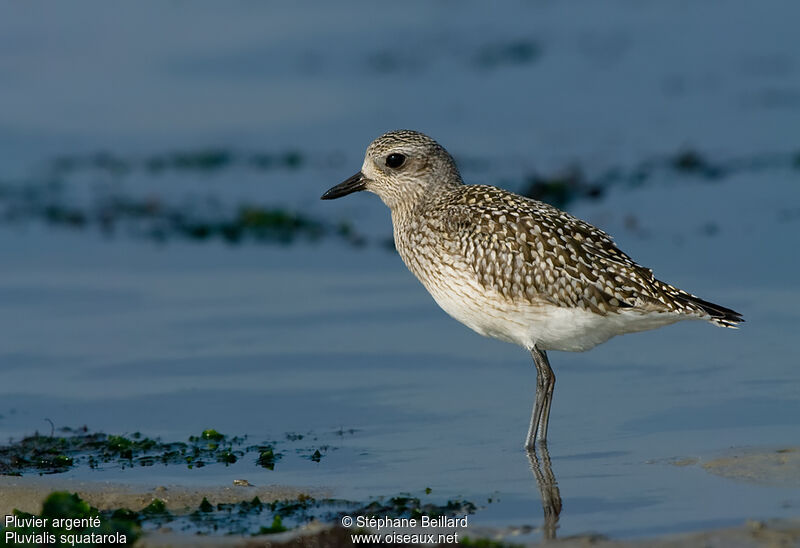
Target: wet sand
(27, 493)
(756, 534)
(779, 468)
(752, 534)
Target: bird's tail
(721, 316)
(691, 304)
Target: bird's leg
(549, 386)
(530, 441)
(548, 488)
(545, 382)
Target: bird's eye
(395, 160)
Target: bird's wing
(525, 248)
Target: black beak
(354, 184)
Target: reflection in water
(548, 488)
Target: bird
(514, 268)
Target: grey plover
(514, 268)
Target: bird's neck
(413, 199)
(407, 207)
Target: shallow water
(125, 334)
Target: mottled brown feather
(526, 249)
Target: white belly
(547, 326)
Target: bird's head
(400, 167)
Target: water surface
(169, 335)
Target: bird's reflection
(539, 459)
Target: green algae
(413, 507)
(69, 448)
(209, 160)
(65, 517)
(267, 457)
(205, 506)
(210, 434)
(200, 160)
(564, 186)
(111, 211)
(246, 517)
(54, 454)
(514, 52)
(276, 527)
(161, 222)
(693, 162)
(156, 507)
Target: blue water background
(124, 334)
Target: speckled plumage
(511, 267)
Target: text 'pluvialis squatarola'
(514, 268)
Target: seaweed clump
(58, 453)
(67, 520)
